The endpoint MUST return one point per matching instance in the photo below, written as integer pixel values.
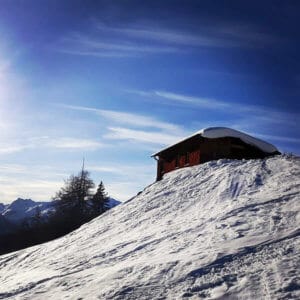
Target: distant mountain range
(21, 211)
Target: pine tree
(72, 198)
(100, 200)
(77, 189)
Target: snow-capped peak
(22, 204)
(21, 209)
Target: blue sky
(114, 81)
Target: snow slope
(225, 229)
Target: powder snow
(223, 229)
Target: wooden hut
(211, 144)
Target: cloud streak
(139, 128)
(59, 143)
(29, 181)
(166, 36)
(118, 47)
(8, 149)
(197, 101)
(74, 144)
(160, 138)
(260, 113)
(132, 119)
(149, 39)
(27, 188)
(146, 130)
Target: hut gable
(210, 144)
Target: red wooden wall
(169, 166)
(181, 161)
(194, 158)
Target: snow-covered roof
(218, 132)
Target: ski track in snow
(226, 229)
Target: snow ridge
(226, 228)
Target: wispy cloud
(91, 52)
(8, 149)
(30, 181)
(74, 144)
(160, 138)
(198, 101)
(96, 45)
(133, 119)
(144, 39)
(59, 143)
(260, 113)
(147, 130)
(139, 128)
(31, 170)
(166, 36)
(183, 99)
(27, 188)
(213, 35)
(124, 46)
(279, 138)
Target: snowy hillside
(221, 229)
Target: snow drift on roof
(218, 132)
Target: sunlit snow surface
(225, 229)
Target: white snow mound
(225, 229)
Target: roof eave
(181, 141)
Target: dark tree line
(74, 204)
